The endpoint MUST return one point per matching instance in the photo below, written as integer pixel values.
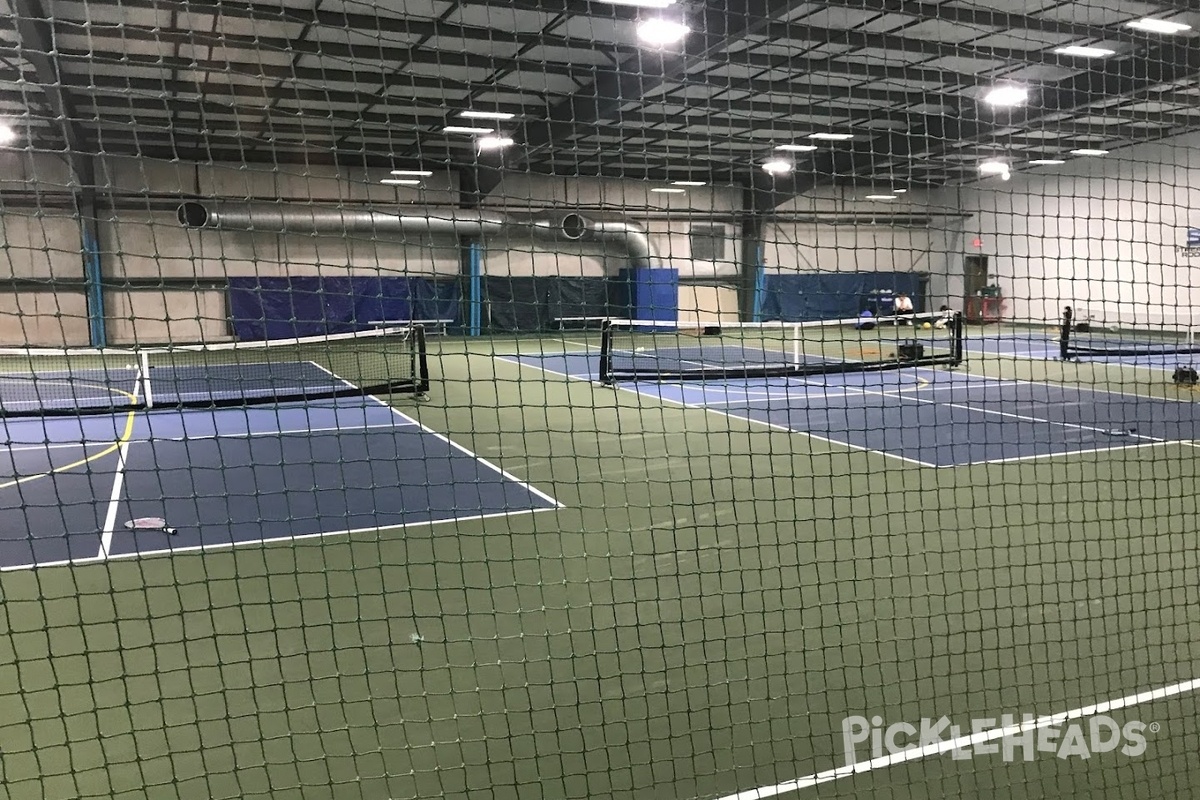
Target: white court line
(292, 432)
(1113, 449)
(413, 421)
(170, 551)
(17, 448)
(703, 407)
(970, 381)
(847, 391)
(962, 742)
(442, 437)
(1026, 418)
(114, 499)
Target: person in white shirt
(903, 307)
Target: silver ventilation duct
(570, 227)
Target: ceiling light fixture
(494, 142)
(414, 173)
(469, 129)
(640, 3)
(832, 137)
(661, 32)
(899, 191)
(662, 190)
(797, 148)
(500, 115)
(1007, 96)
(688, 183)
(1158, 26)
(994, 167)
(1088, 151)
(401, 181)
(1046, 162)
(880, 197)
(7, 134)
(777, 166)
(1085, 52)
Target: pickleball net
(40, 382)
(659, 350)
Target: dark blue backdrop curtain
(799, 297)
(287, 307)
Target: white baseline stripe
(292, 432)
(170, 551)
(960, 742)
(17, 448)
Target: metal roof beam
(986, 18)
(721, 26)
(1165, 63)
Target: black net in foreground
(899, 556)
(673, 351)
(41, 382)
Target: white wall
(869, 236)
(165, 281)
(1098, 233)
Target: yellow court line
(125, 437)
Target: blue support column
(474, 288)
(760, 286)
(93, 275)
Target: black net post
(959, 328)
(420, 361)
(1064, 338)
(606, 335)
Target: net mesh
(651, 350)
(1091, 340)
(36, 382)
(571, 572)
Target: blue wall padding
(824, 295)
(283, 308)
(536, 303)
(653, 293)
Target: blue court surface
(234, 476)
(931, 417)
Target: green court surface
(713, 599)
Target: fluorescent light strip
(7, 134)
(494, 142)
(880, 197)
(1087, 151)
(639, 3)
(1046, 162)
(416, 173)
(831, 137)
(401, 181)
(467, 129)
(1007, 96)
(1085, 52)
(1158, 26)
(688, 183)
(662, 190)
(798, 148)
(777, 167)
(662, 32)
(499, 115)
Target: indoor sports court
(599, 400)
